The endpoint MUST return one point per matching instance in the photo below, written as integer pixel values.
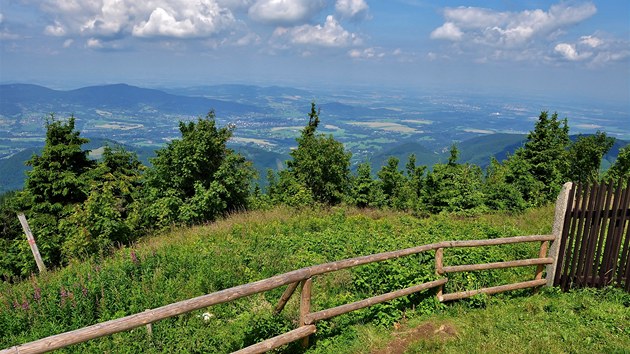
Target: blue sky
(564, 48)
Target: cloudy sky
(576, 48)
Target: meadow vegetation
(188, 262)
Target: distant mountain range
(14, 97)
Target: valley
(373, 124)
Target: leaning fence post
(31, 242)
(558, 224)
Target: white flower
(206, 316)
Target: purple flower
(38, 293)
(134, 258)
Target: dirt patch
(404, 337)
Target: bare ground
(404, 337)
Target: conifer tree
(585, 157)
(319, 163)
(545, 157)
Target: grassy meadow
(188, 262)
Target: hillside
(184, 263)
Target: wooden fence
(303, 278)
(594, 248)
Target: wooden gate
(594, 250)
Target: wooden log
(353, 262)
(305, 305)
(494, 241)
(439, 255)
(539, 269)
(286, 295)
(494, 289)
(339, 310)
(32, 243)
(275, 342)
(497, 265)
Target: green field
(185, 263)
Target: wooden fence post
(558, 225)
(31, 242)
(305, 305)
(439, 254)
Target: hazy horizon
(565, 49)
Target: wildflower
(64, 295)
(25, 305)
(134, 258)
(38, 294)
(206, 316)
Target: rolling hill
(14, 97)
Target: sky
(575, 49)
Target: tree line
(79, 207)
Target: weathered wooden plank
(586, 232)
(32, 243)
(579, 236)
(561, 227)
(606, 271)
(497, 265)
(493, 290)
(617, 263)
(590, 260)
(599, 263)
(278, 341)
(340, 310)
(286, 295)
(574, 237)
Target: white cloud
(591, 41)
(248, 39)
(1, 17)
(508, 29)
(115, 19)
(94, 43)
(331, 34)
(595, 50)
(57, 30)
(448, 31)
(163, 23)
(283, 12)
(67, 43)
(356, 9)
(367, 53)
(568, 52)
